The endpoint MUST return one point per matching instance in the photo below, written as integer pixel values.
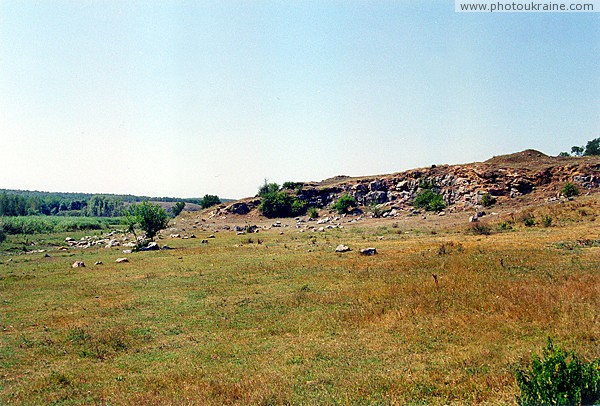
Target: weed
(570, 190)
(547, 221)
(504, 226)
(529, 220)
(558, 377)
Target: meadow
(438, 316)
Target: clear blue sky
(184, 98)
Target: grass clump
(559, 377)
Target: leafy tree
(209, 201)
(267, 188)
(593, 147)
(151, 218)
(344, 203)
(178, 208)
(104, 206)
(577, 150)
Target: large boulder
(238, 208)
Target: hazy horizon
(186, 98)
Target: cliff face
(527, 173)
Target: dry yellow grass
(289, 321)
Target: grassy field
(272, 318)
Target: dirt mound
(527, 157)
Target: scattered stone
(342, 248)
(112, 243)
(368, 251)
(211, 236)
(46, 255)
(175, 236)
(78, 264)
(204, 242)
(120, 260)
(127, 251)
(166, 247)
(98, 263)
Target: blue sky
(184, 98)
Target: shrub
(487, 200)
(281, 204)
(313, 213)
(178, 208)
(344, 203)
(558, 377)
(377, 209)
(429, 200)
(2, 236)
(529, 220)
(268, 188)
(209, 201)
(570, 190)
(297, 186)
(504, 226)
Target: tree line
(591, 148)
(25, 203)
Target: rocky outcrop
(462, 186)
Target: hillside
(521, 178)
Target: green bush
(281, 204)
(429, 200)
(558, 377)
(2, 236)
(209, 201)
(313, 213)
(268, 188)
(344, 203)
(570, 190)
(487, 200)
(529, 220)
